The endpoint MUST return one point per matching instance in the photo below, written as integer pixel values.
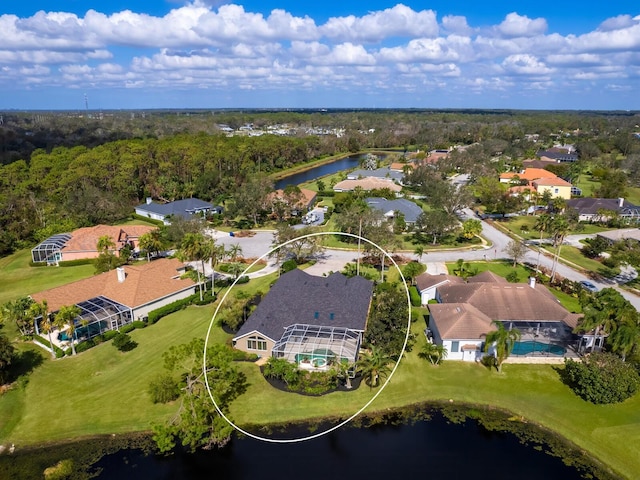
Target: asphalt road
(334, 260)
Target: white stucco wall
(143, 310)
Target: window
(455, 346)
(256, 343)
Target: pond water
(320, 171)
(426, 449)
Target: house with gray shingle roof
(306, 318)
(391, 208)
(180, 208)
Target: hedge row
(414, 295)
(75, 263)
(135, 216)
(58, 351)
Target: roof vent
(331, 316)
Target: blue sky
(329, 54)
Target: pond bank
(85, 454)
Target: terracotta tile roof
(399, 167)
(426, 280)
(144, 282)
(367, 184)
(529, 174)
(85, 239)
(552, 182)
(459, 321)
(308, 196)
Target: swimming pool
(525, 348)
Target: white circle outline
(344, 422)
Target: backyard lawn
(91, 394)
(18, 278)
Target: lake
(426, 449)
(352, 161)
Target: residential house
(463, 317)
(428, 284)
(391, 208)
(598, 209)
(367, 184)
(82, 243)
(307, 199)
(180, 208)
(385, 173)
(309, 320)
(613, 236)
(538, 180)
(112, 299)
(559, 154)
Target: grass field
(92, 394)
(17, 278)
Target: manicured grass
(515, 225)
(103, 391)
(498, 267)
(575, 256)
(18, 278)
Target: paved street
(334, 260)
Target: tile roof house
(112, 299)
(384, 173)
(307, 199)
(463, 316)
(559, 154)
(390, 208)
(592, 209)
(427, 284)
(82, 243)
(367, 184)
(539, 180)
(180, 208)
(303, 314)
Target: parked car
(588, 286)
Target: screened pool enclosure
(98, 315)
(318, 346)
(49, 250)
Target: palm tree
(343, 370)
(543, 224)
(66, 317)
(433, 352)
(418, 252)
(625, 339)
(234, 252)
(19, 312)
(105, 244)
(503, 341)
(374, 366)
(41, 309)
(150, 242)
(560, 228)
(193, 249)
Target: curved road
(334, 260)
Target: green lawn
(18, 278)
(498, 267)
(575, 256)
(92, 394)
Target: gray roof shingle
(297, 297)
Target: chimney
(149, 200)
(121, 274)
(532, 282)
(620, 202)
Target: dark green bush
(512, 277)
(109, 334)
(601, 378)
(288, 266)
(130, 327)
(243, 279)
(240, 356)
(173, 307)
(37, 264)
(75, 263)
(86, 345)
(124, 343)
(138, 324)
(416, 299)
(163, 389)
(98, 339)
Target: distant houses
(537, 180)
(367, 184)
(391, 208)
(601, 209)
(180, 208)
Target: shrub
(158, 313)
(243, 279)
(163, 389)
(37, 264)
(75, 263)
(288, 266)
(123, 342)
(416, 300)
(281, 369)
(109, 334)
(86, 345)
(127, 328)
(138, 324)
(512, 277)
(240, 356)
(601, 378)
